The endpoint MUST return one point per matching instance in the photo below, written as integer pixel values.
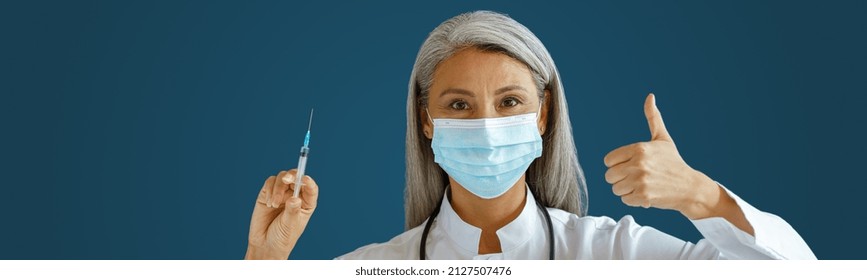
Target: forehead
(472, 67)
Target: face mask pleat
(483, 137)
(487, 187)
(481, 164)
(485, 170)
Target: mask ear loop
(539, 112)
(428, 115)
(430, 119)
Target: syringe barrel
(302, 164)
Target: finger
(265, 193)
(278, 191)
(262, 214)
(309, 193)
(289, 180)
(293, 206)
(622, 188)
(619, 155)
(637, 198)
(632, 200)
(616, 173)
(654, 120)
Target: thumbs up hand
(653, 174)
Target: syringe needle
(310, 122)
(302, 159)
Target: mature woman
(492, 170)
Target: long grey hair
(556, 178)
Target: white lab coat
(595, 238)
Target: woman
(492, 170)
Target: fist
(653, 174)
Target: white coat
(595, 238)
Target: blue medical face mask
(486, 156)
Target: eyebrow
(470, 93)
(508, 89)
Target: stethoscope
(421, 249)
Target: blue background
(144, 130)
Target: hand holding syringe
(302, 159)
(279, 220)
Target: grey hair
(556, 178)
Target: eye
(510, 102)
(459, 105)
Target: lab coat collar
(466, 236)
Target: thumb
(654, 120)
(293, 207)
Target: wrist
(714, 201)
(259, 253)
(705, 201)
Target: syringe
(302, 160)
